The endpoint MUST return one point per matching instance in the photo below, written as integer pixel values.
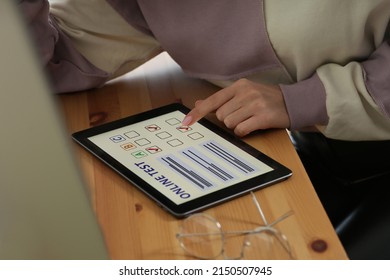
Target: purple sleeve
(377, 77)
(312, 92)
(68, 70)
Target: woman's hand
(244, 106)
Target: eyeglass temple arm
(281, 218)
(259, 209)
(236, 232)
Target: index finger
(206, 106)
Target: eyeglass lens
(267, 245)
(201, 237)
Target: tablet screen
(182, 163)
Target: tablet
(185, 169)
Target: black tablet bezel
(279, 172)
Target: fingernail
(187, 120)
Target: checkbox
(195, 135)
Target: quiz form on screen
(181, 162)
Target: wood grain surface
(136, 228)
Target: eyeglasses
(201, 236)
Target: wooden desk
(135, 227)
